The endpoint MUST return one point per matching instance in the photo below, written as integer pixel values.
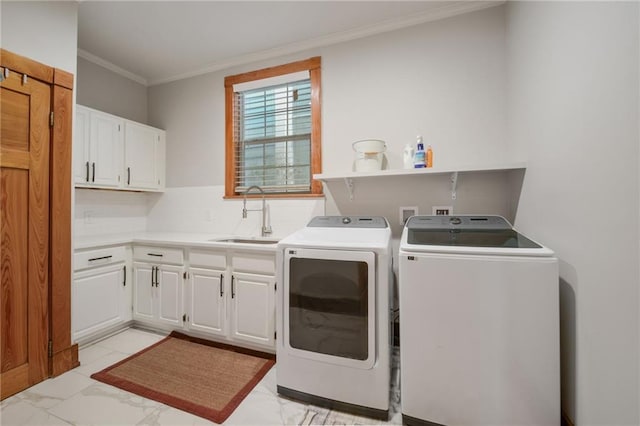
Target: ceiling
(155, 42)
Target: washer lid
(465, 231)
(348, 222)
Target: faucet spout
(266, 229)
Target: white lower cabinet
(158, 287)
(206, 302)
(101, 292)
(231, 296)
(157, 293)
(253, 309)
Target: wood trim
(316, 129)
(306, 64)
(254, 195)
(64, 361)
(26, 66)
(229, 152)
(39, 217)
(313, 65)
(63, 78)
(60, 220)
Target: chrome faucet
(266, 230)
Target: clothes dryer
(332, 314)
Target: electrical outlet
(442, 210)
(208, 215)
(406, 213)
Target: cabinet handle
(233, 287)
(87, 171)
(153, 271)
(100, 258)
(124, 273)
(93, 170)
(154, 254)
(221, 282)
(128, 175)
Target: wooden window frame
(313, 66)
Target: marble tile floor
(75, 399)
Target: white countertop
(181, 239)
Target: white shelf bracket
(454, 185)
(349, 184)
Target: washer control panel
(348, 222)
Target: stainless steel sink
(245, 241)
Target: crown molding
(112, 67)
(447, 10)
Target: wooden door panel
(15, 120)
(24, 168)
(13, 229)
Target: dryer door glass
(329, 306)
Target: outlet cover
(406, 213)
(442, 210)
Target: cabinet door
(105, 149)
(169, 295)
(142, 156)
(81, 164)
(253, 313)
(97, 299)
(207, 301)
(143, 290)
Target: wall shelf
(350, 177)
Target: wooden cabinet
(144, 157)
(101, 291)
(158, 282)
(115, 153)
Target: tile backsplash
(186, 209)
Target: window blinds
(272, 137)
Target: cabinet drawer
(254, 262)
(98, 257)
(158, 254)
(208, 259)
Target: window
(273, 130)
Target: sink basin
(245, 241)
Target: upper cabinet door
(144, 157)
(115, 153)
(105, 149)
(81, 164)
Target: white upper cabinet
(97, 149)
(115, 153)
(144, 157)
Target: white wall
(107, 91)
(444, 80)
(573, 114)
(43, 31)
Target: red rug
(198, 376)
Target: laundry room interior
(531, 113)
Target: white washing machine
(479, 324)
(332, 314)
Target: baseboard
(63, 361)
